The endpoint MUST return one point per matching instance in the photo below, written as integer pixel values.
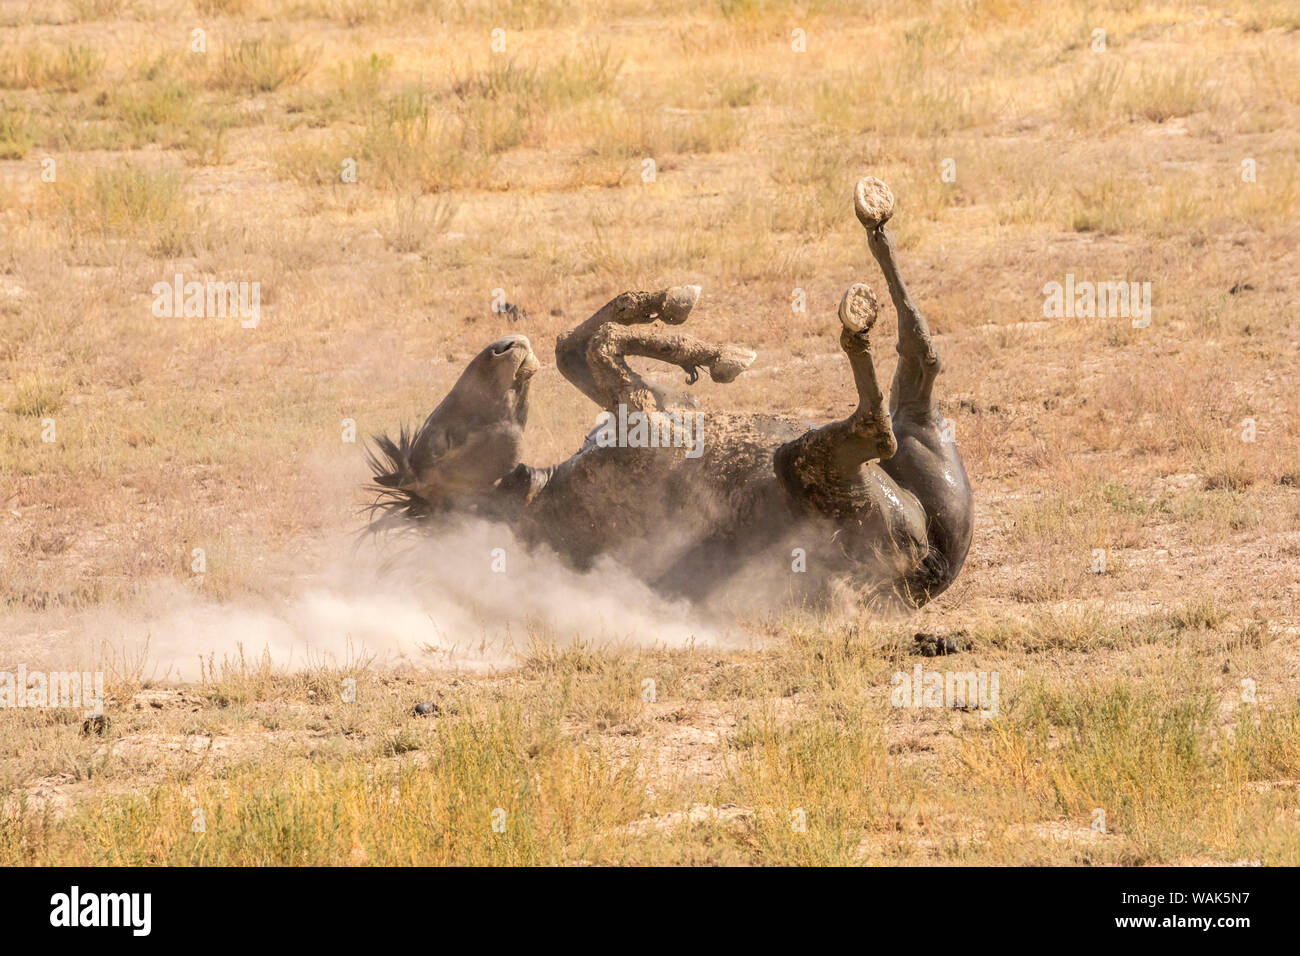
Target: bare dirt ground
(181, 493)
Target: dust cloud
(468, 598)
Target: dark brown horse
(695, 503)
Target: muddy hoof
(94, 725)
(678, 303)
(858, 308)
(873, 201)
(938, 645)
(731, 363)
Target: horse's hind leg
(823, 462)
(911, 397)
(617, 384)
(926, 462)
(592, 355)
(672, 306)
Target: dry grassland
(1164, 692)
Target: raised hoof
(873, 201)
(858, 309)
(731, 363)
(678, 302)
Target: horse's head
(468, 443)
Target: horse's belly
(648, 507)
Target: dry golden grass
(526, 170)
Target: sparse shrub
(1203, 613)
(153, 113)
(313, 162)
(36, 398)
(120, 199)
(499, 106)
(539, 88)
(632, 135)
(1105, 205)
(1134, 751)
(744, 10)
(87, 10)
(262, 65)
(1090, 102)
(1276, 74)
(16, 133)
(739, 92)
(205, 140)
(524, 14)
(36, 67)
(362, 79)
(415, 221)
(1166, 93)
(226, 8)
(407, 148)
